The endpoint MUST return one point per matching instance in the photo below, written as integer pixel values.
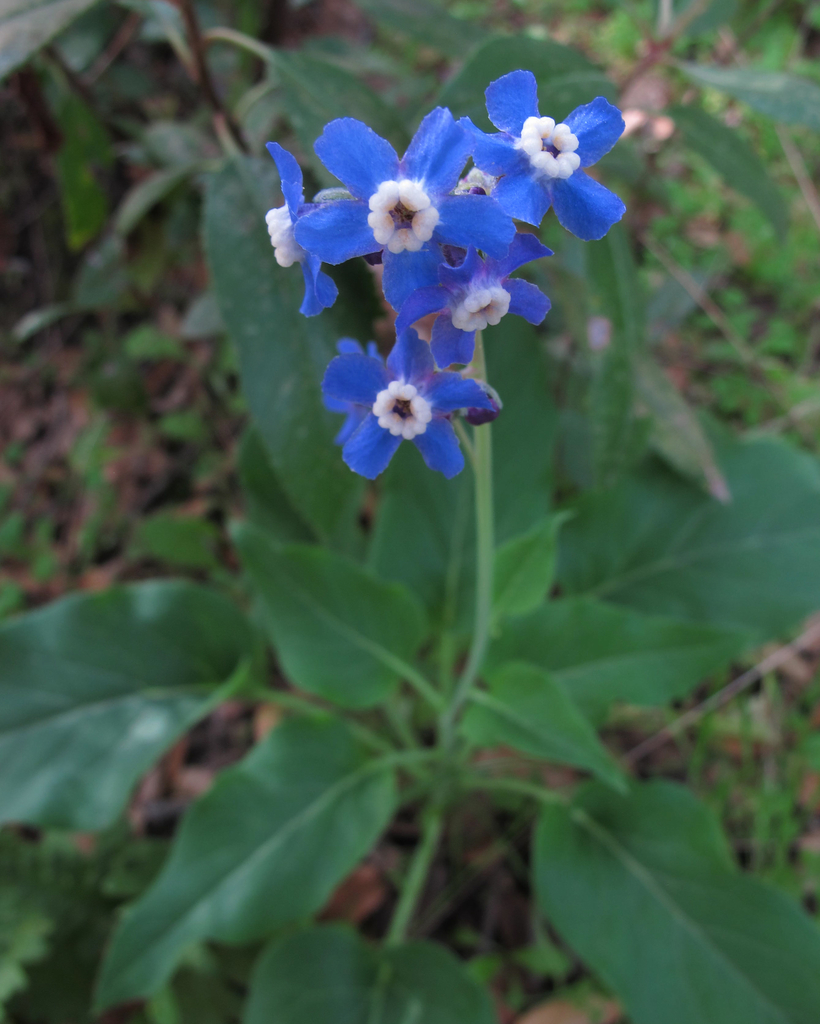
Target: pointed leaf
(791, 99)
(28, 25)
(524, 568)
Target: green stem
(531, 789)
(485, 556)
(416, 877)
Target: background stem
(416, 876)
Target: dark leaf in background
(264, 847)
(425, 22)
(28, 25)
(781, 96)
(86, 150)
(94, 688)
(644, 890)
(331, 976)
(266, 504)
(524, 568)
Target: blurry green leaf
(102, 277)
(266, 504)
(524, 568)
(317, 91)
(202, 318)
(86, 148)
(565, 77)
(332, 976)
(543, 958)
(38, 319)
(148, 342)
(177, 144)
(662, 546)
(529, 710)
(24, 931)
(644, 890)
(781, 96)
(95, 687)
(677, 435)
(425, 22)
(186, 425)
(282, 354)
(336, 628)
(184, 542)
(263, 848)
(713, 15)
(732, 157)
(604, 654)
(27, 25)
(143, 196)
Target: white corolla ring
(480, 307)
(280, 228)
(402, 410)
(550, 147)
(402, 216)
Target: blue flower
(474, 294)
(403, 400)
(320, 290)
(539, 162)
(354, 413)
(399, 206)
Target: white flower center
(280, 228)
(481, 306)
(401, 215)
(401, 410)
(550, 147)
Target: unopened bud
(477, 416)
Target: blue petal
(369, 451)
(525, 248)
(349, 346)
(522, 197)
(320, 290)
(526, 300)
(355, 415)
(357, 155)
(449, 344)
(373, 351)
(455, 279)
(511, 99)
(439, 448)
(290, 177)
(421, 303)
(336, 231)
(438, 152)
(448, 391)
(598, 126)
(475, 220)
(405, 272)
(411, 359)
(585, 207)
(355, 378)
(495, 154)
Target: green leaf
(425, 22)
(28, 25)
(264, 847)
(781, 96)
(282, 354)
(565, 77)
(182, 541)
(86, 148)
(266, 504)
(318, 91)
(642, 887)
(147, 193)
(332, 976)
(602, 653)
(338, 631)
(94, 688)
(676, 433)
(524, 568)
(528, 709)
(733, 158)
(661, 546)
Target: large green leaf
(332, 976)
(643, 889)
(95, 687)
(264, 847)
(282, 354)
(603, 654)
(425, 22)
(781, 96)
(266, 504)
(662, 546)
(336, 628)
(733, 158)
(524, 568)
(528, 709)
(565, 77)
(28, 25)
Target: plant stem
(485, 556)
(416, 876)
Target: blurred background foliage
(123, 425)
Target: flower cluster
(448, 245)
